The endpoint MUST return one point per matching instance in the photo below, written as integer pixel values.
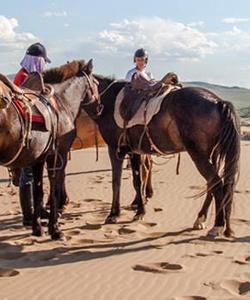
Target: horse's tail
(226, 153)
(227, 148)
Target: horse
(190, 119)
(72, 84)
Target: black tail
(226, 153)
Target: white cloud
(163, 38)
(10, 38)
(235, 20)
(234, 40)
(196, 24)
(49, 14)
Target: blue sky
(198, 39)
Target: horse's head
(92, 96)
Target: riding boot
(26, 201)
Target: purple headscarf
(33, 63)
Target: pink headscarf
(33, 63)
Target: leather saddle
(40, 105)
(35, 83)
(140, 89)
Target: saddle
(35, 83)
(140, 89)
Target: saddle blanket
(141, 117)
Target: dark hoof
(57, 235)
(111, 220)
(139, 216)
(37, 231)
(134, 206)
(229, 233)
(149, 193)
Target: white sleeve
(150, 75)
(130, 74)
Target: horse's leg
(149, 187)
(202, 215)
(56, 178)
(38, 198)
(136, 163)
(116, 185)
(228, 190)
(146, 174)
(135, 174)
(214, 182)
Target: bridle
(95, 96)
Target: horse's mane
(64, 72)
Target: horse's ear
(89, 67)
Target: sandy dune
(160, 257)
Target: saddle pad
(40, 113)
(152, 107)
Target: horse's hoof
(149, 194)
(138, 217)
(57, 235)
(215, 231)
(229, 233)
(111, 220)
(37, 231)
(134, 206)
(199, 224)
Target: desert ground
(159, 258)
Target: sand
(160, 257)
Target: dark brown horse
(190, 119)
(72, 84)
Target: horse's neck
(71, 93)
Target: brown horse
(190, 119)
(72, 84)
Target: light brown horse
(19, 147)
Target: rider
(34, 60)
(140, 60)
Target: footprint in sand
(5, 272)
(243, 260)
(91, 226)
(90, 200)
(190, 298)
(88, 241)
(157, 209)
(205, 254)
(236, 287)
(241, 221)
(160, 267)
(148, 224)
(73, 232)
(125, 231)
(195, 187)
